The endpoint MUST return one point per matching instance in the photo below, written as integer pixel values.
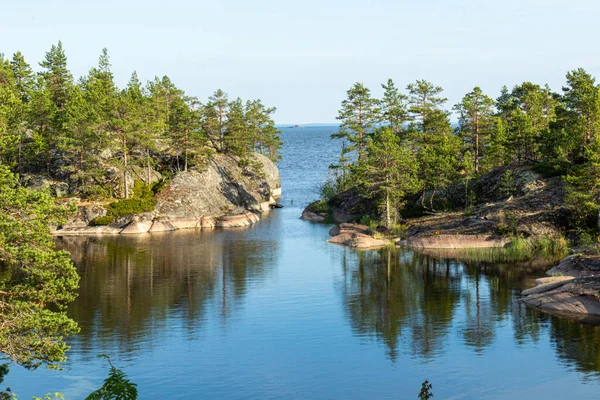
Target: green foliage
(318, 207)
(328, 189)
(399, 231)
(159, 185)
(387, 173)
(81, 130)
(116, 386)
(583, 190)
(37, 281)
(50, 396)
(507, 183)
(357, 117)
(426, 391)
(130, 206)
(519, 249)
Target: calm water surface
(274, 312)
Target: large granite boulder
(222, 188)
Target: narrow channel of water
(275, 312)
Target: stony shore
(572, 287)
(221, 195)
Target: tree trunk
(387, 209)
(125, 187)
(185, 168)
(148, 166)
(598, 219)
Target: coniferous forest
(404, 144)
(75, 130)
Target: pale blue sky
(302, 56)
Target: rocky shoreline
(572, 287)
(222, 195)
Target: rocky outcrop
(312, 217)
(573, 288)
(356, 236)
(222, 194)
(530, 206)
(222, 188)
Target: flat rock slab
(355, 236)
(137, 228)
(186, 223)
(311, 216)
(577, 266)
(576, 296)
(162, 226)
(90, 230)
(236, 221)
(573, 288)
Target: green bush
(319, 207)
(142, 191)
(101, 221)
(130, 206)
(158, 186)
(399, 230)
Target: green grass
(519, 249)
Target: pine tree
(497, 153)
(581, 100)
(423, 98)
(237, 138)
(186, 127)
(23, 75)
(58, 82)
(388, 173)
(262, 131)
(583, 189)
(357, 117)
(38, 282)
(438, 154)
(10, 114)
(216, 118)
(25, 85)
(393, 107)
(475, 120)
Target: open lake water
(274, 312)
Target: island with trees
(87, 157)
(520, 173)
(138, 156)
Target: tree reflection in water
(411, 302)
(133, 287)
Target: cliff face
(223, 193)
(222, 188)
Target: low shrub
(158, 186)
(319, 207)
(130, 206)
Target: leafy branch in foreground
(116, 386)
(426, 393)
(37, 282)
